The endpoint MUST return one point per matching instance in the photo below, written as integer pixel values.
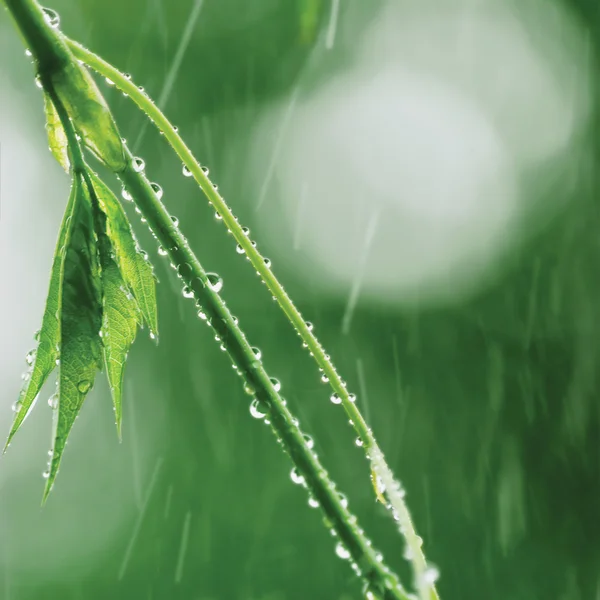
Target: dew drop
(276, 383)
(268, 262)
(46, 474)
(239, 249)
(308, 440)
(257, 409)
(162, 251)
(205, 170)
(324, 378)
(16, 407)
(341, 551)
(51, 17)
(248, 389)
(175, 221)
(335, 399)
(53, 401)
(38, 82)
(187, 292)
(109, 81)
(186, 172)
(296, 477)
(28, 53)
(312, 502)
(343, 500)
(352, 397)
(431, 575)
(359, 442)
(214, 282)
(309, 325)
(138, 164)
(84, 386)
(158, 192)
(202, 315)
(218, 217)
(257, 352)
(126, 195)
(245, 230)
(30, 358)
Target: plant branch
(380, 581)
(380, 468)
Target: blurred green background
(485, 402)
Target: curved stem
(380, 581)
(377, 576)
(379, 465)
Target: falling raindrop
(214, 282)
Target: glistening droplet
(215, 282)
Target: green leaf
(47, 352)
(120, 313)
(57, 138)
(90, 114)
(80, 323)
(135, 268)
(119, 327)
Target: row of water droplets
(217, 282)
(259, 409)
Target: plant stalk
(379, 465)
(48, 49)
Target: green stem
(46, 45)
(379, 465)
(380, 581)
(243, 356)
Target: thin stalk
(380, 581)
(380, 468)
